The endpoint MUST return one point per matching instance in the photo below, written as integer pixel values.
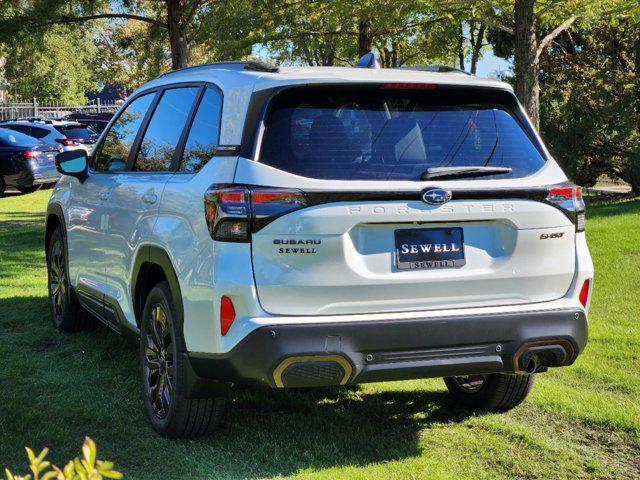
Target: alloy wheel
(159, 362)
(57, 279)
(470, 383)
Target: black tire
(31, 189)
(66, 313)
(3, 185)
(163, 374)
(495, 392)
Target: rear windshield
(391, 135)
(75, 131)
(11, 138)
(96, 125)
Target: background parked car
(96, 121)
(68, 134)
(25, 162)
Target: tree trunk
(365, 40)
(526, 59)
(461, 46)
(177, 28)
(476, 48)
(385, 57)
(636, 47)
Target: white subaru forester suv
(304, 227)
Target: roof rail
(33, 120)
(436, 69)
(248, 65)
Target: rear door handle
(149, 197)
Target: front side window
(391, 135)
(164, 130)
(205, 130)
(119, 139)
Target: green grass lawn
(580, 422)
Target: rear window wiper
(462, 172)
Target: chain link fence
(52, 110)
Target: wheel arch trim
(151, 254)
(55, 210)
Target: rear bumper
(27, 178)
(318, 354)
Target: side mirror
(73, 162)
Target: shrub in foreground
(87, 468)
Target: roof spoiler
(436, 69)
(369, 60)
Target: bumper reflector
(227, 314)
(584, 293)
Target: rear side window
(39, 132)
(34, 132)
(11, 138)
(119, 139)
(24, 129)
(164, 130)
(391, 135)
(203, 137)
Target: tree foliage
(56, 65)
(332, 32)
(576, 62)
(591, 100)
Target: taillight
(228, 212)
(584, 293)
(409, 86)
(32, 154)
(227, 314)
(568, 198)
(233, 212)
(269, 204)
(70, 142)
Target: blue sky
(489, 64)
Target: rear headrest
(401, 141)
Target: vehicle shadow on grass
(57, 388)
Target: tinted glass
(203, 137)
(119, 140)
(39, 132)
(96, 125)
(165, 127)
(12, 138)
(391, 135)
(19, 128)
(83, 132)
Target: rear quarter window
(378, 134)
(12, 138)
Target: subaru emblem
(436, 196)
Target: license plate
(44, 159)
(420, 248)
